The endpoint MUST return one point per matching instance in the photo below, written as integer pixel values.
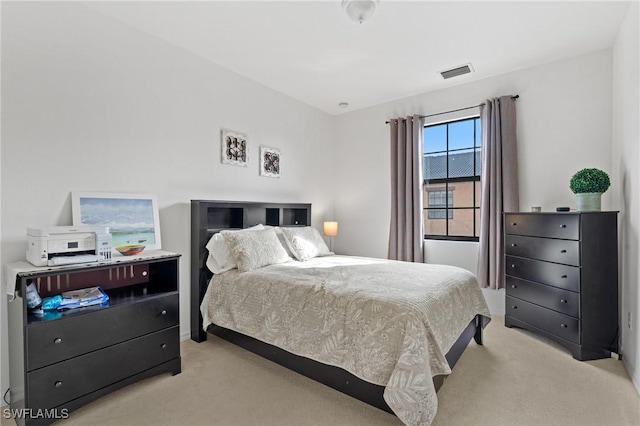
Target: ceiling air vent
(464, 69)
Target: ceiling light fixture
(360, 10)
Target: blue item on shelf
(51, 303)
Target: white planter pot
(589, 201)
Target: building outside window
(451, 187)
(440, 197)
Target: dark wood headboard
(209, 217)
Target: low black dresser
(61, 361)
(561, 273)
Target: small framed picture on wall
(269, 162)
(234, 148)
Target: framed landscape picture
(132, 218)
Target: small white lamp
(330, 229)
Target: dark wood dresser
(561, 273)
(60, 361)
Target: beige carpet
(516, 378)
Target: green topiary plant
(589, 180)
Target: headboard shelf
(224, 217)
(209, 217)
(296, 216)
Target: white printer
(62, 245)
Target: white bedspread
(390, 323)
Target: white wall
(92, 105)
(626, 163)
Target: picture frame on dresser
(131, 218)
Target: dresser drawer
(563, 276)
(553, 322)
(553, 250)
(563, 301)
(57, 340)
(67, 380)
(564, 226)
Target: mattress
(388, 322)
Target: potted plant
(588, 185)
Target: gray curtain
(406, 232)
(499, 183)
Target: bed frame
(209, 217)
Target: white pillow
(282, 239)
(220, 259)
(305, 242)
(255, 249)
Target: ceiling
(312, 52)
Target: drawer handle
(563, 226)
(513, 245)
(163, 346)
(164, 312)
(563, 251)
(57, 340)
(58, 384)
(563, 301)
(513, 266)
(514, 307)
(564, 276)
(144, 273)
(514, 286)
(513, 224)
(563, 325)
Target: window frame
(477, 147)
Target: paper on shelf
(83, 297)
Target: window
(440, 198)
(451, 187)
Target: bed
(366, 327)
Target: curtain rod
(514, 97)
